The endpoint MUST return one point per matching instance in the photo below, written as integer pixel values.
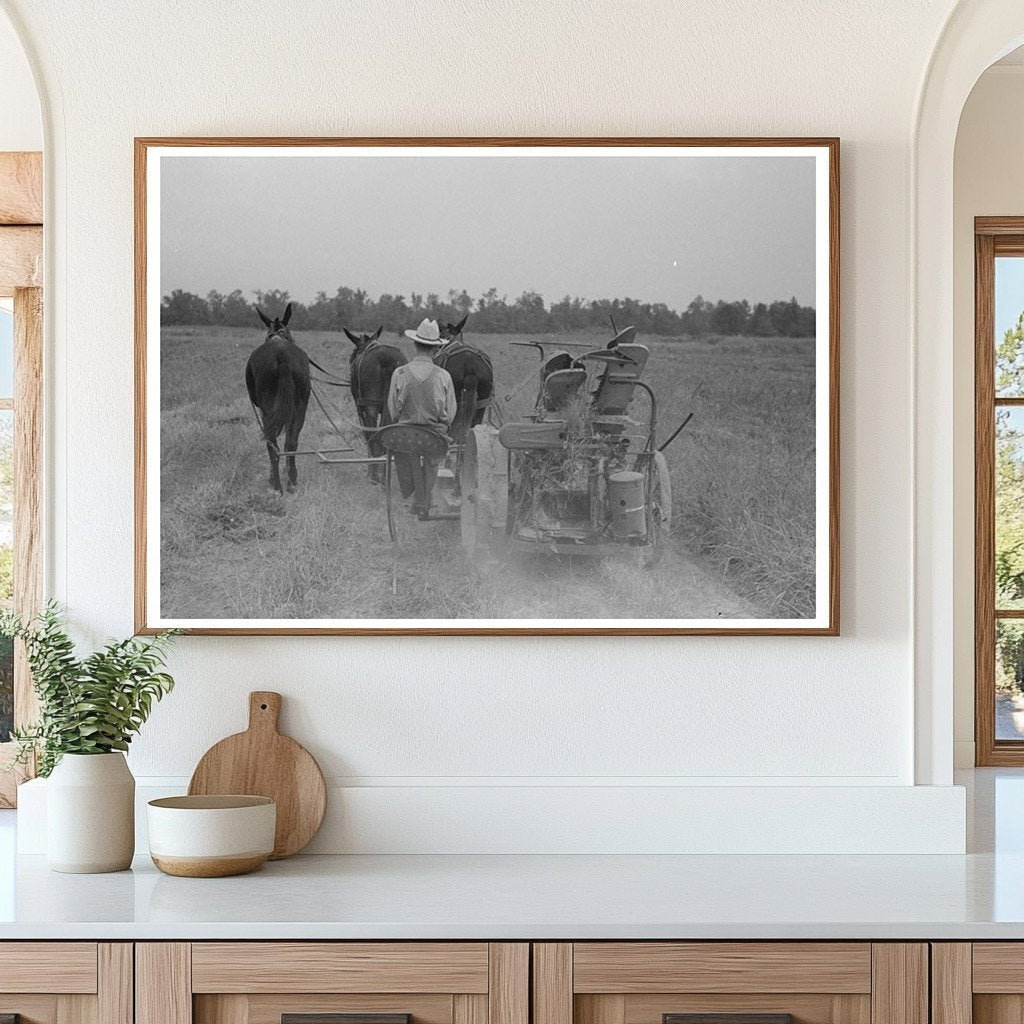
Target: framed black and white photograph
(505, 386)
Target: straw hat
(428, 333)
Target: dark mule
(277, 378)
(370, 367)
(472, 374)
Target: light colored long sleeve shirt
(422, 392)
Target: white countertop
(496, 897)
(977, 896)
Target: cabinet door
(979, 982)
(65, 983)
(332, 983)
(730, 983)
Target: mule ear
(461, 324)
(287, 314)
(354, 338)
(380, 331)
(264, 317)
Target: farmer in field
(421, 393)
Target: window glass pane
(1009, 679)
(1009, 326)
(6, 567)
(6, 353)
(1009, 539)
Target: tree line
(494, 314)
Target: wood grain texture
(21, 188)
(998, 1009)
(806, 1008)
(64, 967)
(899, 990)
(984, 501)
(115, 995)
(141, 359)
(508, 993)
(998, 967)
(262, 762)
(603, 1009)
(951, 983)
(999, 226)
(28, 483)
(633, 967)
(269, 1008)
(163, 983)
(76, 1009)
(304, 967)
(552, 983)
(144, 626)
(28, 503)
(208, 867)
(225, 1009)
(21, 258)
(467, 1009)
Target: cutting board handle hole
(263, 707)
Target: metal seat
(561, 386)
(412, 439)
(625, 367)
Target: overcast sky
(658, 229)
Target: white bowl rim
(212, 802)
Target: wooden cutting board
(262, 762)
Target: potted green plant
(90, 708)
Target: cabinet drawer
(730, 983)
(332, 983)
(66, 982)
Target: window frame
(993, 237)
(21, 273)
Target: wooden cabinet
(978, 983)
(494, 983)
(753, 982)
(308, 982)
(66, 982)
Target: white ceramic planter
(90, 814)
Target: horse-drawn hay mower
(582, 474)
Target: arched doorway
(976, 34)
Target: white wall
(987, 181)
(21, 126)
(455, 712)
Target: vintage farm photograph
(529, 388)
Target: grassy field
(742, 476)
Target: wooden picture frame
(823, 621)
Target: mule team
(446, 388)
